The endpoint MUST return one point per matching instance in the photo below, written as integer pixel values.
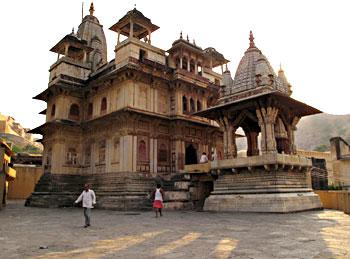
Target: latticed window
(192, 106)
(163, 153)
(116, 150)
(103, 105)
(53, 110)
(142, 148)
(199, 106)
(88, 155)
(90, 110)
(102, 151)
(184, 104)
(74, 112)
(72, 156)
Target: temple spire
(251, 40)
(281, 70)
(92, 9)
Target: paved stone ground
(315, 234)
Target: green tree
(321, 148)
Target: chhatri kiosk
(272, 177)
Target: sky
(311, 40)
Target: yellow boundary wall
(23, 185)
(337, 200)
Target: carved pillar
(149, 36)
(230, 148)
(291, 130)
(252, 139)
(267, 118)
(188, 64)
(84, 57)
(66, 47)
(131, 34)
(118, 41)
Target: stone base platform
(278, 191)
(273, 202)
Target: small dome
(254, 70)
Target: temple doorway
(190, 155)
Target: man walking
(89, 199)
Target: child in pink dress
(158, 195)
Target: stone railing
(267, 160)
(198, 168)
(184, 74)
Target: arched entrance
(191, 155)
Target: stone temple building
(272, 178)
(148, 114)
(127, 120)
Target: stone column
(84, 57)
(230, 148)
(118, 41)
(66, 47)
(181, 62)
(196, 68)
(267, 118)
(188, 64)
(252, 140)
(131, 34)
(149, 36)
(291, 129)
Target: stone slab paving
(313, 234)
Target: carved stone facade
(132, 114)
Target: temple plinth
(272, 178)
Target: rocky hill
(315, 131)
(21, 144)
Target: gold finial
(134, 6)
(281, 67)
(251, 40)
(194, 42)
(181, 35)
(188, 39)
(92, 9)
(73, 30)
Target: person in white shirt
(89, 199)
(204, 158)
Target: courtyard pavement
(58, 233)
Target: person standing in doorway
(204, 158)
(89, 199)
(158, 195)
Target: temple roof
(47, 125)
(216, 57)
(141, 24)
(254, 70)
(295, 107)
(73, 40)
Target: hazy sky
(310, 38)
